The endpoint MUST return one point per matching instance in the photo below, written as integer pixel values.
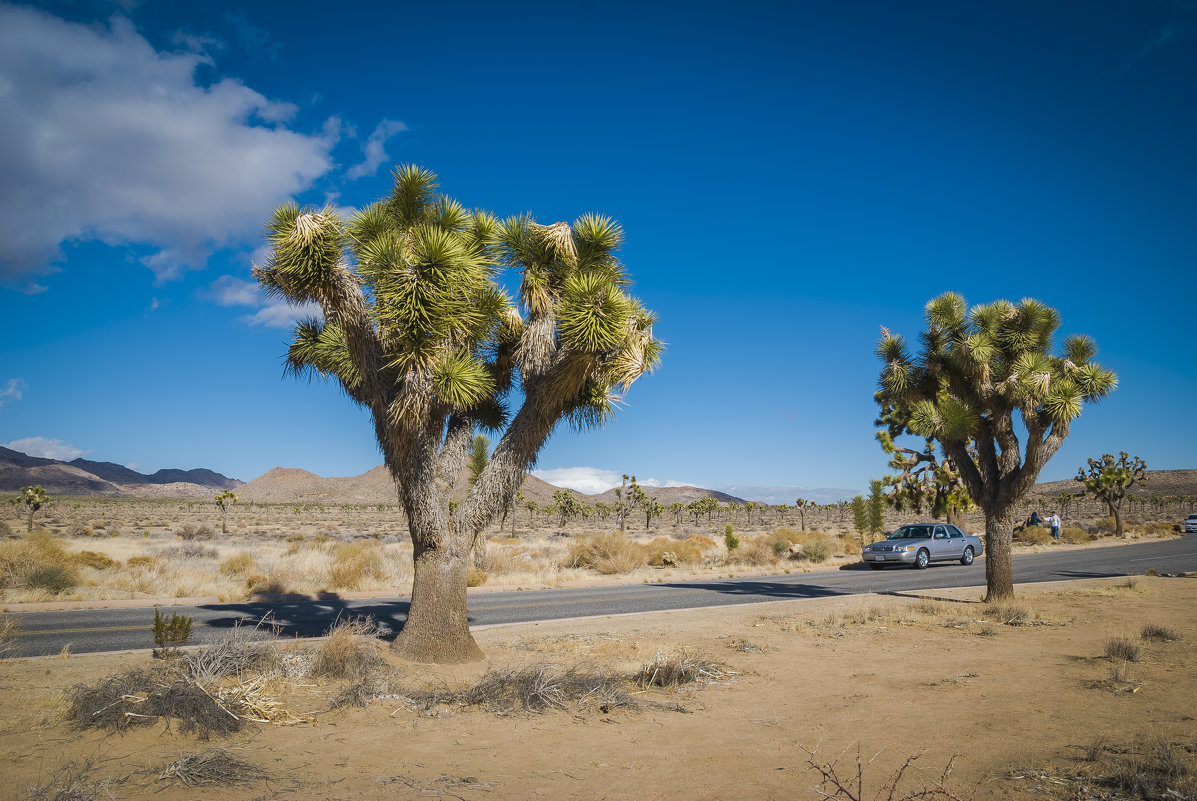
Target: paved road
(42, 633)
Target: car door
(957, 542)
(941, 547)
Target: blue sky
(790, 177)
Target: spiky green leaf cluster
(413, 277)
(988, 360)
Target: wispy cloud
(130, 149)
(46, 448)
(787, 495)
(595, 480)
(14, 390)
(229, 291)
(282, 314)
(375, 149)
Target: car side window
(940, 533)
(955, 532)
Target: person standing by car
(1053, 520)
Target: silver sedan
(920, 544)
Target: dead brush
(1121, 649)
(534, 689)
(141, 697)
(849, 785)
(211, 768)
(1156, 771)
(680, 669)
(607, 554)
(72, 782)
(1010, 613)
(240, 653)
(351, 650)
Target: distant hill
(291, 485)
(1160, 483)
(85, 477)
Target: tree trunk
(1117, 513)
(955, 517)
(29, 529)
(480, 550)
(437, 628)
(999, 569)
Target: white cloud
(588, 480)
(282, 314)
(13, 390)
(374, 149)
(787, 495)
(229, 291)
(46, 448)
(654, 482)
(103, 138)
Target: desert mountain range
(293, 485)
(278, 485)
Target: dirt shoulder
(1018, 699)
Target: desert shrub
(1033, 535)
(258, 584)
(78, 530)
(1156, 528)
(170, 633)
(781, 540)
(1157, 771)
(6, 529)
(667, 552)
(1121, 649)
(537, 688)
(1075, 536)
(608, 554)
(239, 564)
(99, 561)
(190, 531)
(847, 544)
(187, 550)
(817, 550)
(1157, 633)
(729, 538)
(141, 561)
(351, 650)
(353, 563)
(476, 577)
(237, 654)
(52, 578)
(1104, 525)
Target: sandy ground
(1016, 705)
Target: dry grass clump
(355, 563)
(476, 577)
(39, 561)
(668, 552)
(1156, 633)
(140, 697)
(1157, 770)
(189, 531)
(239, 564)
(1076, 536)
(98, 561)
(1033, 535)
(676, 670)
(1012, 613)
(141, 561)
(258, 584)
(1121, 649)
(211, 768)
(351, 650)
(9, 628)
(607, 554)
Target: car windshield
(912, 533)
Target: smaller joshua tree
(1108, 479)
(224, 502)
(32, 498)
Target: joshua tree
(417, 330)
(568, 507)
(514, 504)
(32, 498)
(678, 508)
(652, 508)
(977, 367)
(876, 505)
(476, 462)
(802, 504)
(1108, 479)
(924, 479)
(224, 502)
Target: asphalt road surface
(93, 630)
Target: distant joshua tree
(802, 504)
(567, 506)
(224, 502)
(32, 498)
(417, 329)
(1108, 479)
(976, 369)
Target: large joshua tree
(1108, 479)
(417, 330)
(976, 369)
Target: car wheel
(967, 559)
(922, 559)
(874, 565)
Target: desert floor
(1023, 704)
